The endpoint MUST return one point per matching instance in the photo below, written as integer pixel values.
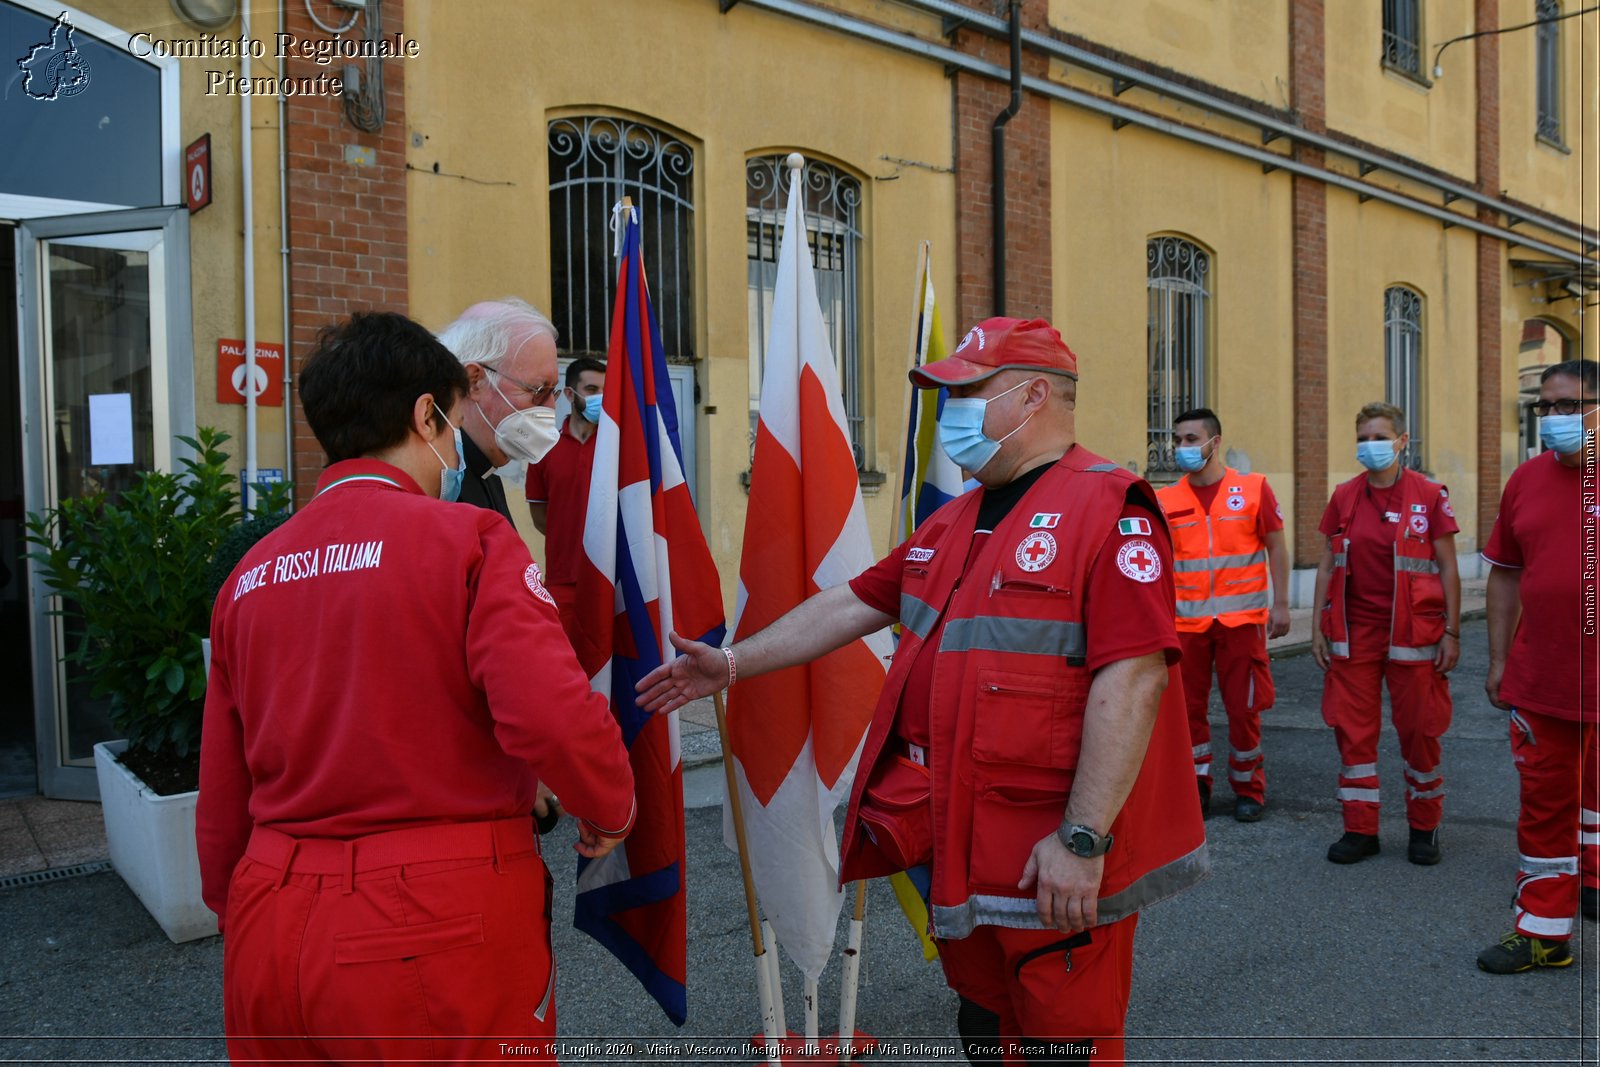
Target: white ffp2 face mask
(528, 434)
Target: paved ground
(1280, 957)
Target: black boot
(1424, 847)
(1353, 848)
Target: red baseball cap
(995, 345)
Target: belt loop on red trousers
(288, 861)
(494, 843)
(349, 867)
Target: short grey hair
(486, 331)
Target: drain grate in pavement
(55, 874)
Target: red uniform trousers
(1045, 993)
(1244, 678)
(1558, 762)
(1419, 703)
(428, 945)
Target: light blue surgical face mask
(1191, 457)
(1563, 434)
(591, 408)
(451, 478)
(1375, 455)
(961, 430)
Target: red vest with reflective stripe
(1418, 621)
(1219, 560)
(1006, 712)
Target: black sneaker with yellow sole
(1517, 953)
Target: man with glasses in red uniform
(1543, 658)
(1046, 777)
(389, 681)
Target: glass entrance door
(107, 375)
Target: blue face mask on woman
(961, 430)
(451, 478)
(1375, 455)
(1563, 434)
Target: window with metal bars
(1402, 36)
(1402, 363)
(596, 160)
(1178, 339)
(833, 234)
(1547, 54)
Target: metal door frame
(173, 333)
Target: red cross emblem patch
(1037, 551)
(1138, 560)
(1419, 523)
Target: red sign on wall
(197, 172)
(231, 373)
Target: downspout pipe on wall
(283, 266)
(247, 201)
(998, 146)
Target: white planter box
(152, 845)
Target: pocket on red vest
(1029, 720)
(1007, 821)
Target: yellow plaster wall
(1240, 45)
(777, 84)
(1144, 184)
(1532, 170)
(1373, 246)
(216, 241)
(1434, 125)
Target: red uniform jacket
(384, 660)
(1006, 714)
(1418, 624)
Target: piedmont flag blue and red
(646, 572)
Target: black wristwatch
(1083, 840)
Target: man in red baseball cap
(1046, 781)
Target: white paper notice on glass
(110, 429)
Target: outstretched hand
(699, 672)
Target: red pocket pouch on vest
(896, 814)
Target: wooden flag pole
(769, 1020)
(852, 971)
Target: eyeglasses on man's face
(1565, 406)
(539, 393)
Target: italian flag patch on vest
(1129, 527)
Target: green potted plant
(131, 569)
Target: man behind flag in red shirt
(1543, 660)
(558, 487)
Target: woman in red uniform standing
(389, 683)
(1390, 597)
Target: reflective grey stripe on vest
(1216, 563)
(1221, 605)
(1339, 559)
(1102, 468)
(1339, 648)
(1416, 566)
(1023, 912)
(917, 616)
(999, 633)
(1424, 654)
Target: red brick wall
(347, 221)
(1491, 406)
(1310, 288)
(1028, 258)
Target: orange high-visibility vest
(1219, 560)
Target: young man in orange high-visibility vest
(1227, 534)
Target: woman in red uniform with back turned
(1390, 595)
(372, 741)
